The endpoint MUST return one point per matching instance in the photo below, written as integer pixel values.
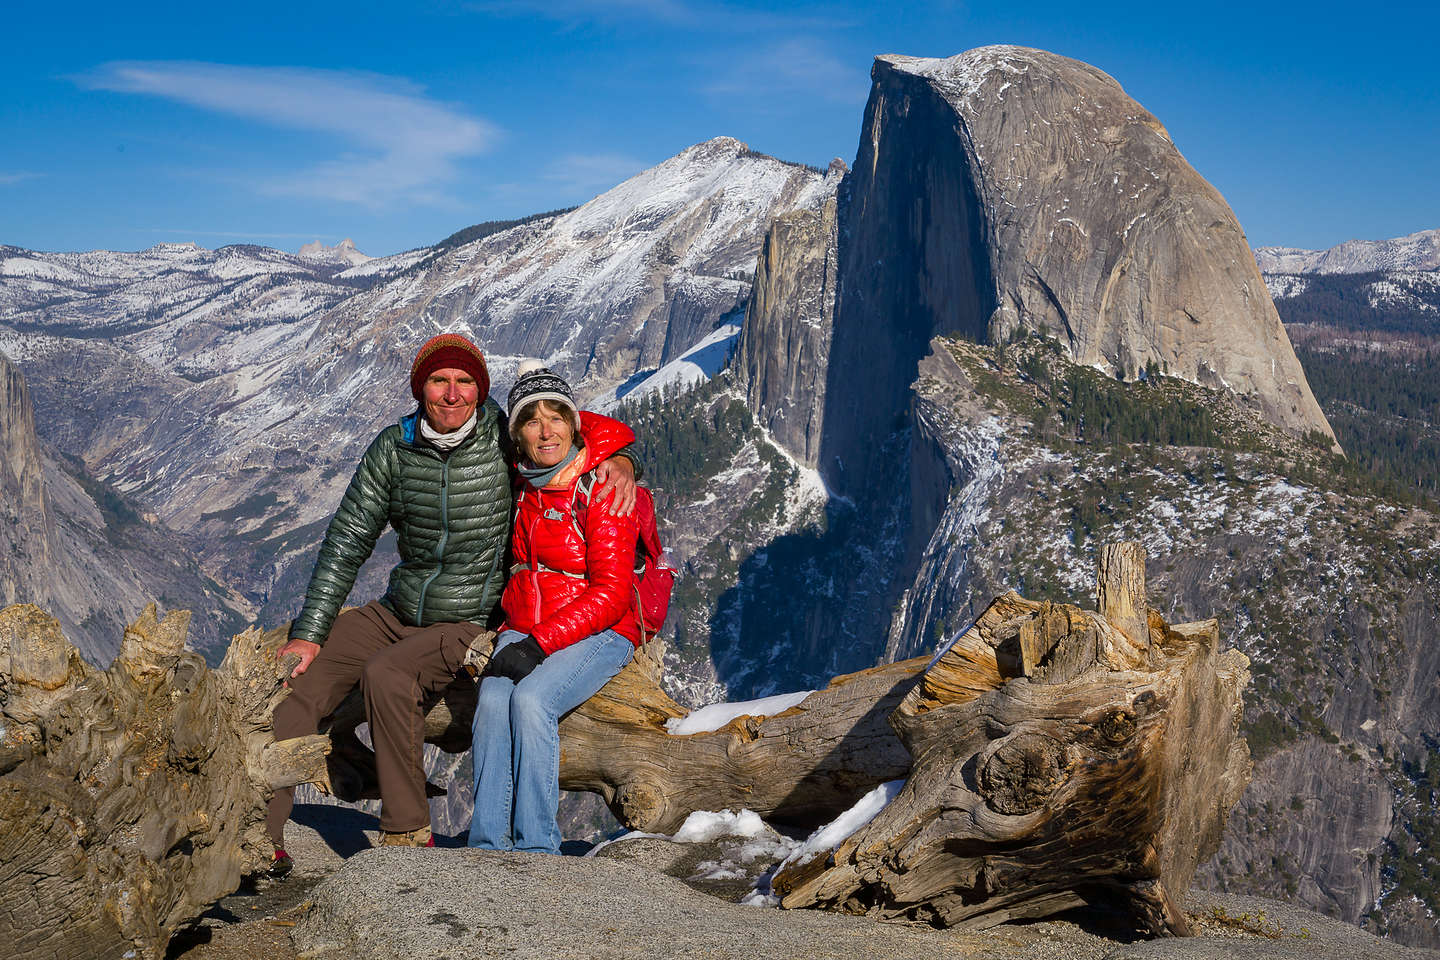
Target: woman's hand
(515, 660)
(618, 475)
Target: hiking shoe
(419, 837)
(281, 865)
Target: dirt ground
(254, 922)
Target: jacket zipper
(444, 536)
(534, 562)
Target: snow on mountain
(1419, 291)
(1282, 285)
(231, 391)
(700, 362)
(1416, 251)
(343, 252)
(385, 266)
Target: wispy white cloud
(400, 146)
(797, 65)
(593, 173)
(17, 176)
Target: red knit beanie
(449, 350)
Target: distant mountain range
(1416, 251)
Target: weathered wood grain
(1085, 776)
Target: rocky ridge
(84, 551)
(1245, 525)
(1416, 251)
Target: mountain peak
(343, 252)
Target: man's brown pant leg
(395, 682)
(356, 637)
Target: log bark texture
(802, 767)
(132, 798)
(1058, 762)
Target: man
(441, 478)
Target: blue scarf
(539, 477)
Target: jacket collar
(410, 426)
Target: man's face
(451, 396)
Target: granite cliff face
(1001, 192)
(77, 548)
(24, 510)
(1005, 191)
(785, 342)
(1097, 229)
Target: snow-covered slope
(1416, 251)
(231, 391)
(699, 363)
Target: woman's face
(546, 438)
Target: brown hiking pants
(395, 666)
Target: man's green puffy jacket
(451, 515)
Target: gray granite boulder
(461, 904)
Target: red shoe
(281, 865)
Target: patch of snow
(1282, 285)
(699, 363)
(717, 870)
(716, 715)
(703, 826)
(837, 831)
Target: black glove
(516, 660)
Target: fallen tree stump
(1058, 759)
(132, 798)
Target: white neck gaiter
(451, 440)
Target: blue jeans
(516, 740)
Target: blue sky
(127, 125)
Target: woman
(570, 617)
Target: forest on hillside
(1384, 404)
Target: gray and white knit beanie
(535, 381)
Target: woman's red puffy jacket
(564, 586)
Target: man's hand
(618, 475)
(304, 649)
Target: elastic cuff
(634, 459)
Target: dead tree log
(1059, 761)
(131, 798)
(802, 766)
